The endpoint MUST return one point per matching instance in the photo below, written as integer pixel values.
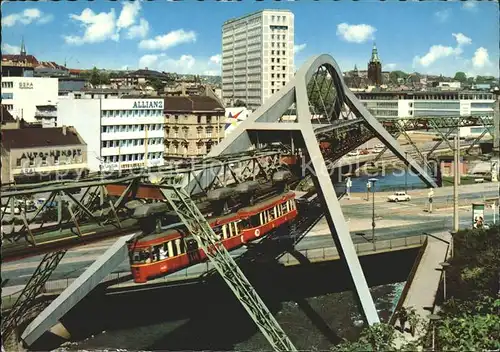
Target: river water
(313, 303)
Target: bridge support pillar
(94, 274)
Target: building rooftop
(6, 116)
(30, 59)
(39, 137)
(254, 13)
(191, 103)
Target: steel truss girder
(200, 229)
(402, 129)
(32, 289)
(95, 208)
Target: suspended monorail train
(159, 254)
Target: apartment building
(121, 134)
(22, 95)
(193, 125)
(257, 56)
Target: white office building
(257, 56)
(408, 104)
(22, 95)
(120, 133)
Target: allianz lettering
(141, 104)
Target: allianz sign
(148, 104)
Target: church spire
(23, 47)
(374, 54)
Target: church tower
(375, 68)
(23, 47)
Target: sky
(435, 37)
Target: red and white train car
(160, 254)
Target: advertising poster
(477, 215)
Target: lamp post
(406, 174)
(372, 182)
(445, 266)
(434, 318)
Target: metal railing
(331, 253)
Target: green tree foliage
(470, 318)
(461, 77)
(95, 77)
(395, 75)
(157, 84)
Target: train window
(236, 225)
(170, 249)
(261, 218)
(175, 252)
(178, 246)
(224, 232)
(163, 251)
(192, 245)
(254, 220)
(284, 208)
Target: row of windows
(199, 119)
(131, 128)
(130, 142)
(131, 157)
(435, 113)
(383, 113)
(278, 67)
(277, 52)
(482, 105)
(278, 18)
(7, 84)
(381, 104)
(131, 113)
(437, 105)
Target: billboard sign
(477, 215)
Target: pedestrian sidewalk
(422, 291)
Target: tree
(157, 84)
(460, 76)
(95, 77)
(394, 76)
(104, 78)
(240, 103)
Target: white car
(399, 197)
(353, 153)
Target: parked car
(399, 197)
(353, 153)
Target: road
(392, 220)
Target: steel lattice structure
(198, 226)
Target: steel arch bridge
(311, 105)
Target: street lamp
(434, 318)
(445, 266)
(372, 182)
(406, 174)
